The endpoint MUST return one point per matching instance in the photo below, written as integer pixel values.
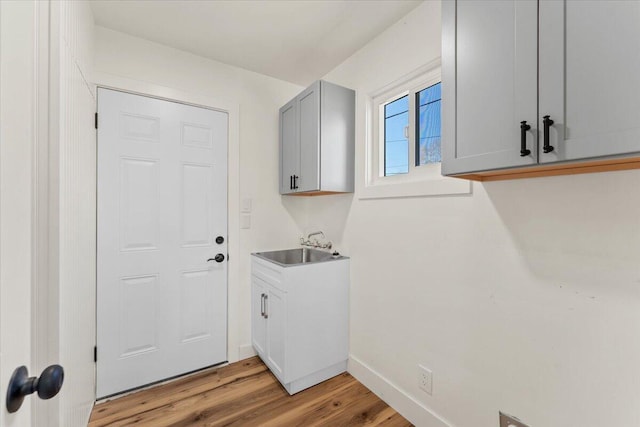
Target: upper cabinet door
(289, 147)
(309, 111)
(590, 78)
(489, 75)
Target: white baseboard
(246, 351)
(398, 399)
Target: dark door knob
(219, 240)
(217, 258)
(21, 385)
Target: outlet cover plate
(425, 379)
(510, 421)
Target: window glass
(396, 141)
(428, 125)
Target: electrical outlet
(510, 421)
(425, 379)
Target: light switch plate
(246, 205)
(510, 421)
(245, 221)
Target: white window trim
(421, 181)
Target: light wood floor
(247, 394)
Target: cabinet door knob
(546, 121)
(524, 127)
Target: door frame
(150, 90)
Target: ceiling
(296, 41)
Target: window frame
(423, 180)
(410, 87)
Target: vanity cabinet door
(276, 330)
(258, 321)
(589, 78)
(489, 74)
(289, 147)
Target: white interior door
(162, 204)
(16, 191)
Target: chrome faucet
(315, 233)
(315, 243)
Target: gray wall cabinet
(563, 68)
(317, 141)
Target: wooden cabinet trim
(607, 165)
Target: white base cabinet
(299, 320)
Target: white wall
(522, 297)
(259, 98)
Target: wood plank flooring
(247, 394)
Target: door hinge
(95, 353)
(96, 121)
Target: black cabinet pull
(290, 182)
(524, 127)
(295, 182)
(546, 121)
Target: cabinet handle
(295, 182)
(262, 305)
(524, 127)
(290, 182)
(266, 315)
(546, 121)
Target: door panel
(140, 308)
(162, 191)
(593, 99)
(501, 83)
(289, 147)
(309, 113)
(139, 204)
(196, 205)
(195, 307)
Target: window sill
(432, 187)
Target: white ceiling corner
(293, 40)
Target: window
(396, 139)
(428, 125)
(397, 136)
(403, 142)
